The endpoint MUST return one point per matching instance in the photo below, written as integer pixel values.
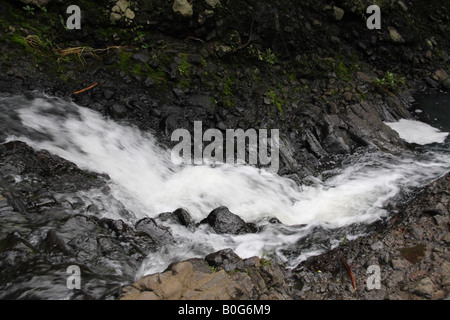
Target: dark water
(435, 111)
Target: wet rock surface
(409, 254)
(221, 276)
(223, 220)
(308, 70)
(45, 228)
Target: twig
(194, 38)
(242, 46)
(82, 90)
(349, 272)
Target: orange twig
(349, 272)
(82, 90)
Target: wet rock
(117, 111)
(224, 221)
(226, 259)
(160, 235)
(179, 216)
(407, 272)
(195, 279)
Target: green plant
(264, 261)
(390, 82)
(214, 269)
(29, 10)
(275, 100)
(266, 56)
(184, 68)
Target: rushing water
(146, 181)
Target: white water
(144, 179)
(413, 131)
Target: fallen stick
(349, 272)
(82, 90)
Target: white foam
(145, 180)
(413, 131)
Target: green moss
(275, 100)
(184, 68)
(124, 63)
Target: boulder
(223, 220)
(179, 216)
(160, 235)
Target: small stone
(347, 96)
(115, 16)
(338, 13)
(115, 9)
(118, 111)
(377, 246)
(141, 57)
(399, 264)
(424, 288)
(129, 14)
(122, 4)
(440, 75)
(212, 3)
(402, 5)
(223, 50)
(183, 7)
(149, 82)
(395, 36)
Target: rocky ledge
(219, 276)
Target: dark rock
(149, 82)
(141, 57)
(224, 221)
(446, 84)
(108, 94)
(117, 111)
(160, 235)
(180, 216)
(203, 101)
(226, 259)
(194, 59)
